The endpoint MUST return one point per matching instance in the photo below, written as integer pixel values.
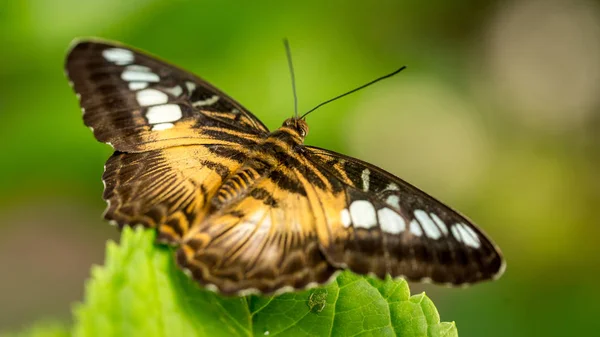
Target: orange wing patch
(264, 239)
(167, 189)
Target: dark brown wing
(136, 102)
(387, 226)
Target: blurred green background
(497, 114)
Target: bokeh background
(497, 114)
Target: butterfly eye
(302, 128)
(298, 125)
(302, 132)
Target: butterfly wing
(388, 226)
(263, 236)
(187, 164)
(177, 137)
(318, 212)
(136, 102)
(167, 189)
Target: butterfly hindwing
(261, 237)
(136, 102)
(167, 189)
(388, 226)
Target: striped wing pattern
(251, 210)
(176, 136)
(167, 189)
(270, 223)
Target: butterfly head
(296, 127)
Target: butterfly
(250, 210)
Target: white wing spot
(393, 200)
(471, 231)
(139, 76)
(456, 233)
(137, 85)
(345, 215)
(415, 229)
(118, 56)
(390, 221)
(429, 226)
(209, 101)
(365, 176)
(363, 214)
(163, 113)
(469, 236)
(137, 67)
(440, 223)
(162, 126)
(190, 86)
(175, 91)
(392, 187)
(149, 97)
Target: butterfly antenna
(288, 52)
(355, 90)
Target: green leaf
(140, 291)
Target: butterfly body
(250, 210)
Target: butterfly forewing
(177, 136)
(253, 211)
(136, 102)
(388, 226)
